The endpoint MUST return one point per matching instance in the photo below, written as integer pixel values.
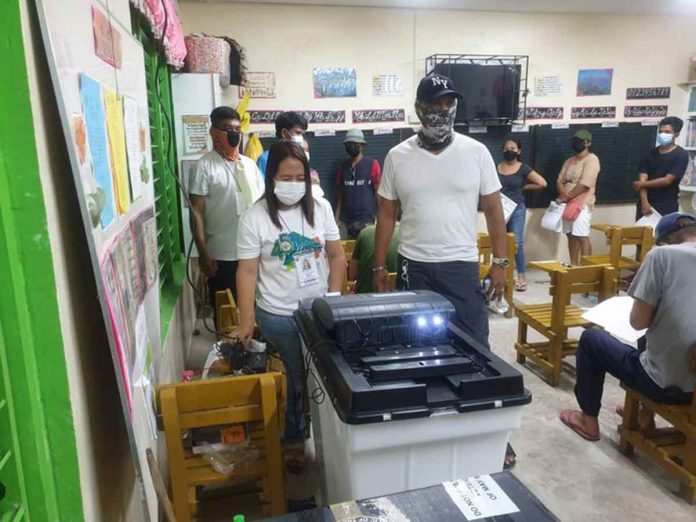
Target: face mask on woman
(510, 155)
(289, 192)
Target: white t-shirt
(220, 181)
(278, 287)
(439, 195)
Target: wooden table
(602, 228)
(549, 266)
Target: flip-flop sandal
(521, 287)
(565, 417)
(510, 458)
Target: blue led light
(437, 320)
(421, 321)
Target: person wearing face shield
(357, 182)
(224, 184)
(289, 249)
(438, 177)
(661, 171)
(576, 187)
(289, 126)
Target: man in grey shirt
(664, 290)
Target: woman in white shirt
(289, 249)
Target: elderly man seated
(664, 290)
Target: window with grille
(163, 148)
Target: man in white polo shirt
(438, 177)
(223, 186)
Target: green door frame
(38, 457)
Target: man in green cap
(576, 188)
(357, 181)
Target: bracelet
(379, 269)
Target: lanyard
(280, 217)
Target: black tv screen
(490, 92)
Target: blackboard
(620, 149)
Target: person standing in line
(576, 187)
(660, 172)
(289, 126)
(516, 177)
(289, 249)
(357, 182)
(360, 265)
(223, 186)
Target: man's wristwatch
(502, 262)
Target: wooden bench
(617, 238)
(673, 448)
(250, 400)
(552, 320)
(486, 253)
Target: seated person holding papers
(664, 290)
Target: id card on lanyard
(306, 266)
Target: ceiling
(678, 7)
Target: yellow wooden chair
(486, 253)
(348, 248)
(227, 311)
(252, 401)
(672, 448)
(552, 320)
(618, 237)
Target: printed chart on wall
(98, 74)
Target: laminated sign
(480, 497)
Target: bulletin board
(98, 74)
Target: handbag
(553, 217)
(573, 208)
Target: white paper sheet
(131, 126)
(650, 220)
(509, 206)
(480, 497)
(613, 315)
(553, 217)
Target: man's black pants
(457, 281)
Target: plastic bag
(553, 217)
(226, 458)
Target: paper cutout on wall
(547, 86)
(379, 115)
(107, 39)
(543, 113)
(142, 225)
(136, 159)
(113, 107)
(259, 116)
(80, 137)
(594, 82)
(387, 85)
(645, 111)
(259, 85)
(580, 113)
(647, 93)
(93, 110)
(334, 82)
(195, 133)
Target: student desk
(549, 266)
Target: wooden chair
(250, 400)
(227, 311)
(673, 448)
(552, 320)
(617, 238)
(486, 253)
(348, 248)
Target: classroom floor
(576, 479)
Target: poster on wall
(387, 85)
(329, 116)
(648, 93)
(645, 111)
(133, 150)
(334, 82)
(379, 115)
(195, 133)
(259, 85)
(580, 113)
(113, 107)
(107, 39)
(594, 82)
(547, 86)
(543, 113)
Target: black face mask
(577, 145)
(234, 138)
(353, 149)
(510, 155)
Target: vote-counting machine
(397, 355)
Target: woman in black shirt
(516, 177)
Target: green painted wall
(43, 455)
